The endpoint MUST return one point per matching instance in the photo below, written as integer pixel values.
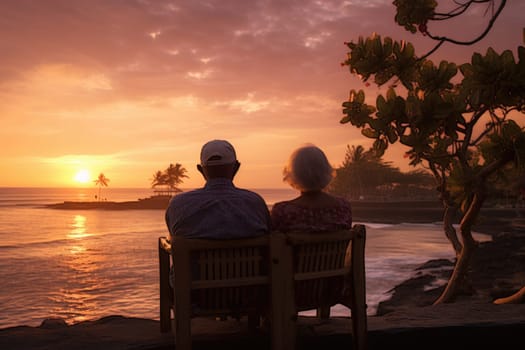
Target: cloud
(152, 80)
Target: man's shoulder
(282, 204)
(249, 193)
(183, 196)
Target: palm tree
(171, 177)
(174, 176)
(102, 180)
(356, 164)
(158, 179)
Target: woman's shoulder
(342, 201)
(333, 201)
(282, 205)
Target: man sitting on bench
(219, 210)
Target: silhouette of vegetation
(365, 175)
(457, 120)
(101, 181)
(171, 177)
(416, 15)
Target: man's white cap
(217, 152)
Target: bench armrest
(165, 244)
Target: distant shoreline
(153, 202)
(426, 210)
(491, 220)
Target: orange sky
(127, 87)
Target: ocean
(82, 265)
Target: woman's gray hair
(308, 169)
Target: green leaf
(360, 98)
(521, 54)
(391, 94)
(409, 50)
(383, 145)
(381, 104)
(383, 76)
(476, 59)
(387, 45)
(370, 133)
(379, 147)
(392, 136)
(466, 69)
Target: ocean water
(85, 264)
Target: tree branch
(481, 36)
(456, 12)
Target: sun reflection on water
(79, 227)
(77, 249)
(77, 298)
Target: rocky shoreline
(497, 271)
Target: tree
(158, 179)
(171, 177)
(364, 174)
(349, 179)
(465, 133)
(102, 180)
(174, 176)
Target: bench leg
(166, 291)
(323, 312)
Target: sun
(82, 176)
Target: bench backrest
(224, 276)
(276, 275)
(319, 270)
(318, 267)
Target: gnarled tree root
(516, 298)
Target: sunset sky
(127, 87)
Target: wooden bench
(275, 276)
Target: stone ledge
(462, 325)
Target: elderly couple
(220, 210)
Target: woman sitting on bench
(309, 171)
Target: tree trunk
(450, 231)
(458, 280)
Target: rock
(53, 323)
(497, 271)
